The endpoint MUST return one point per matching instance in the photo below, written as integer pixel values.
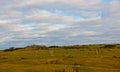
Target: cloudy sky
(58, 22)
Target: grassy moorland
(78, 58)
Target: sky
(58, 22)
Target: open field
(92, 58)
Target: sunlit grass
(63, 60)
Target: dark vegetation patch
(43, 47)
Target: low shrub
(10, 49)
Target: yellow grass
(77, 60)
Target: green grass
(63, 60)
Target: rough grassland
(61, 60)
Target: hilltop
(74, 58)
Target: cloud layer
(58, 22)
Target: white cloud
(59, 21)
(7, 26)
(45, 16)
(4, 39)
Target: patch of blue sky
(106, 1)
(75, 16)
(60, 25)
(63, 13)
(28, 26)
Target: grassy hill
(77, 58)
